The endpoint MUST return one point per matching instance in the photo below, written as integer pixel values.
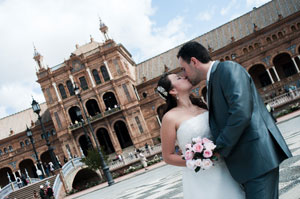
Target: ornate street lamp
(79, 115)
(104, 166)
(29, 134)
(36, 108)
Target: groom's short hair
(194, 49)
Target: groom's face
(190, 71)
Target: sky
(145, 27)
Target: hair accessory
(162, 92)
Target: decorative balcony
(95, 118)
(286, 98)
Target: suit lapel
(213, 69)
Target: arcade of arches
(104, 138)
(284, 66)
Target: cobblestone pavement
(166, 182)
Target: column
(56, 91)
(270, 76)
(72, 79)
(90, 76)
(276, 73)
(14, 175)
(295, 65)
(158, 120)
(106, 65)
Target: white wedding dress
(214, 183)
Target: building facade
(119, 97)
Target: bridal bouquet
(200, 154)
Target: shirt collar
(209, 71)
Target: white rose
(197, 140)
(198, 163)
(206, 163)
(209, 146)
(190, 164)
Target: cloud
(17, 96)
(206, 15)
(229, 7)
(256, 3)
(55, 27)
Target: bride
(185, 118)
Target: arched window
(5, 150)
(27, 142)
(1, 152)
(83, 83)
(256, 45)
(280, 35)
(269, 40)
(251, 48)
(70, 87)
(274, 37)
(10, 149)
(62, 91)
(96, 76)
(104, 73)
(245, 50)
(22, 144)
(293, 28)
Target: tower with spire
(38, 58)
(104, 29)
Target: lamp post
(104, 166)
(79, 115)
(29, 134)
(36, 108)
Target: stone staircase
(27, 191)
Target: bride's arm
(168, 139)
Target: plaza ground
(163, 181)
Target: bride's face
(181, 84)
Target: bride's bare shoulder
(170, 116)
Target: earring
(177, 97)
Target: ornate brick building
(119, 95)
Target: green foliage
(92, 160)
(290, 109)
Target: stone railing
(284, 98)
(7, 189)
(13, 186)
(129, 160)
(66, 169)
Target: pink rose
(206, 163)
(209, 146)
(189, 155)
(198, 147)
(205, 140)
(190, 164)
(207, 153)
(198, 163)
(197, 140)
(188, 146)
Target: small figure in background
(142, 159)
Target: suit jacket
(249, 140)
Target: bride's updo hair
(164, 85)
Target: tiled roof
(221, 36)
(18, 121)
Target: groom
(244, 131)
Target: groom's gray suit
(248, 138)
